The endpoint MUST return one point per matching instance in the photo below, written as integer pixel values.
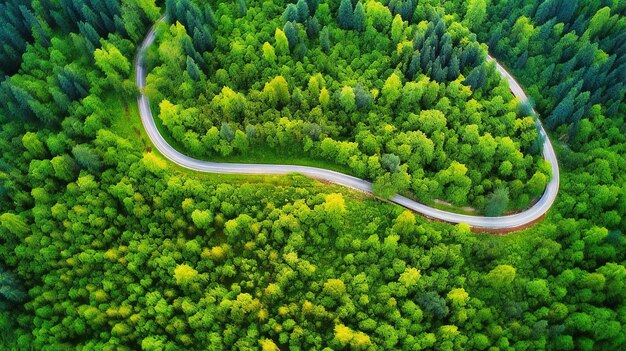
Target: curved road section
(501, 224)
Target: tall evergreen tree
(16, 23)
(439, 73)
(291, 13)
(477, 78)
(562, 111)
(243, 9)
(302, 11)
(313, 5)
(291, 31)
(312, 27)
(454, 69)
(363, 98)
(358, 17)
(192, 69)
(497, 202)
(521, 61)
(345, 14)
(325, 39)
(414, 65)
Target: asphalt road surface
(504, 223)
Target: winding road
(502, 224)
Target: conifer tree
(291, 13)
(192, 69)
(302, 11)
(497, 202)
(312, 27)
(325, 40)
(562, 111)
(477, 78)
(291, 32)
(345, 14)
(313, 5)
(358, 18)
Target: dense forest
(413, 107)
(104, 244)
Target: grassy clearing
(451, 208)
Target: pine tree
(313, 5)
(300, 51)
(209, 16)
(100, 23)
(363, 98)
(312, 28)
(325, 40)
(243, 10)
(566, 10)
(497, 202)
(521, 61)
(446, 49)
(72, 12)
(291, 32)
(580, 107)
(303, 11)
(86, 157)
(10, 289)
(414, 66)
(439, 73)
(546, 11)
(562, 111)
(345, 14)
(192, 69)
(358, 17)
(72, 84)
(170, 10)
(454, 68)
(477, 78)
(291, 13)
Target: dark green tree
(390, 162)
(325, 40)
(345, 14)
(562, 112)
(313, 5)
(358, 17)
(226, 132)
(291, 31)
(477, 78)
(303, 11)
(497, 202)
(312, 27)
(363, 98)
(291, 13)
(192, 69)
(243, 9)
